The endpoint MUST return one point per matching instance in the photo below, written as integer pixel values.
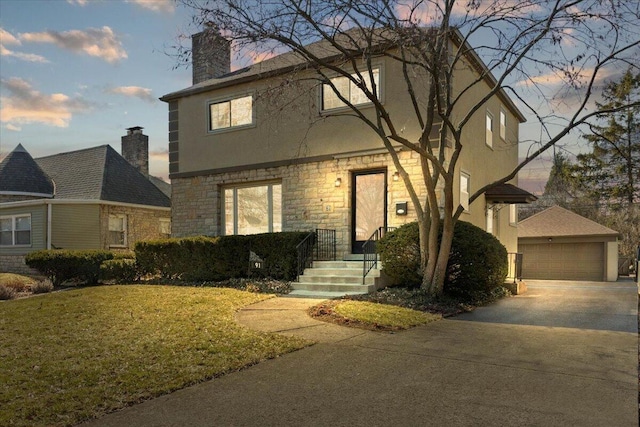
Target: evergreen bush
(62, 265)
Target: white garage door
(563, 261)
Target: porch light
(338, 182)
(396, 176)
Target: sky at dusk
(76, 73)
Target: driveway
(479, 369)
(603, 306)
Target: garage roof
(556, 221)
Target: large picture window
(253, 209)
(231, 113)
(349, 90)
(15, 230)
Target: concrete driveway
(481, 369)
(606, 306)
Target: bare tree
(538, 52)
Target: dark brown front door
(369, 207)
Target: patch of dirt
(325, 311)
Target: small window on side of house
(513, 214)
(231, 113)
(503, 125)
(489, 130)
(464, 191)
(165, 227)
(490, 219)
(118, 230)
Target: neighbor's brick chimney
(135, 149)
(210, 55)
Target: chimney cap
(134, 129)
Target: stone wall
(142, 224)
(15, 264)
(310, 198)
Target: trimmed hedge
(62, 265)
(477, 262)
(220, 258)
(119, 270)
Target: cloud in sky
(165, 6)
(26, 105)
(102, 42)
(8, 39)
(133, 91)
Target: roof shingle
(556, 221)
(19, 173)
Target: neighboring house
(85, 199)
(559, 244)
(246, 157)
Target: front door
(369, 207)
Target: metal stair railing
(370, 257)
(318, 245)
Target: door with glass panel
(369, 207)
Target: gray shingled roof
(100, 173)
(556, 222)
(21, 174)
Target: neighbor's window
(117, 230)
(489, 130)
(15, 230)
(253, 209)
(165, 227)
(503, 125)
(349, 90)
(513, 214)
(464, 191)
(231, 113)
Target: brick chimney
(210, 55)
(135, 149)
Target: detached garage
(558, 244)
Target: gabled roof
(20, 174)
(100, 173)
(559, 222)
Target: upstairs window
(15, 230)
(118, 230)
(490, 216)
(231, 113)
(489, 130)
(513, 214)
(349, 90)
(464, 191)
(503, 125)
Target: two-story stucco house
(86, 199)
(248, 157)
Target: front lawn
(75, 355)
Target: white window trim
(488, 139)
(13, 230)
(367, 104)
(269, 184)
(464, 195)
(503, 126)
(230, 128)
(125, 231)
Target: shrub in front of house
(42, 287)
(62, 265)
(220, 258)
(120, 270)
(477, 262)
(7, 293)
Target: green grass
(382, 315)
(75, 355)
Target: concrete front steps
(334, 279)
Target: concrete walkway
(451, 372)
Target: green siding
(38, 228)
(76, 226)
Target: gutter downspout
(49, 210)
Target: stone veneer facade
(15, 264)
(310, 198)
